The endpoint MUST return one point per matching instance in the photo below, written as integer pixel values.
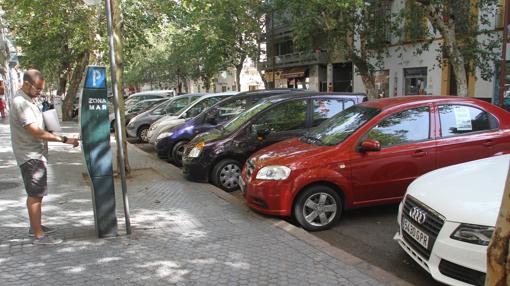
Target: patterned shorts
(35, 178)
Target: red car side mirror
(370, 145)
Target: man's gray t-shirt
(25, 111)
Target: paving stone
(182, 234)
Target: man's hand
(74, 141)
(37, 132)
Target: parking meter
(95, 135)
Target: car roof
(262, 92)
(187, 95)
(153, 99)
(156, 91)
(227, 93)
(304, 94)
(385, 103)
(269, 91)
(209, 95)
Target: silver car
(139, 125)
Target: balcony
(295, 60)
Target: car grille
(464, 274)
(431, 226)
(250, 168)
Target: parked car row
(169, 144)
(311, 156)
(218, 155)
(135, 109)
(370, 153)
(139, 125)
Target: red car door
(407, 151)
(468, 133)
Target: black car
(170, 144)
(219, 154)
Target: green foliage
(219, 34)
(194, 39)
(474, 36)
(50, 33)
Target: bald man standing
(30, 146)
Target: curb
(361, 265)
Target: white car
(447, 218)
(165, 123)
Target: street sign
(96, 77)
(95, 135)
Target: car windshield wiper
(312, 139)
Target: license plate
(415, 233)
(242, 185)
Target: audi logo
(417, 214)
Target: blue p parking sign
(96, 77)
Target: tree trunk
(239, 68)
(498, 253)
(74, 84)
(446, 26)
(366, 76)
(118, 23)
(238, 77)
(257, 60)
(61, 89)
(207, 83)
(369, 83)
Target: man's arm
(39, 133)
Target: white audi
(447, 218)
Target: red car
(368, 154)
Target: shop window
(382, 83)
(415, 81)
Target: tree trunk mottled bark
(239, 68)
(446, 27)
(62, 84)
(366, 76)
(118, 23)
(238, 77)
(74, 84)
(498, 253)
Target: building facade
(226, 80)
(407, 69)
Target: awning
(294, 72)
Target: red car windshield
(336, 129)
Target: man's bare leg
(34, 213)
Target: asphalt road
(366, 233)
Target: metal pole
(273, 46)
(118, 134)
(502, 74)
(8, 84)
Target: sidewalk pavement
(182, 233)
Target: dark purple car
(170, 144)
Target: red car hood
(288, 152)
